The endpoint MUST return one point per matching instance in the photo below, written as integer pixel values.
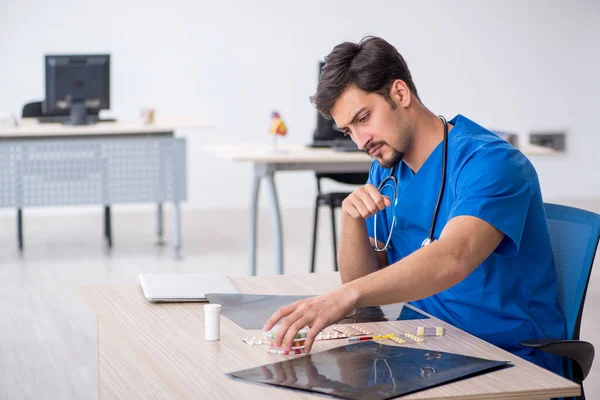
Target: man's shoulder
(474, 136)
(480, 153)
(473, 142)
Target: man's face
(374, 124)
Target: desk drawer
(91, 171)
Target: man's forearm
(464, 244)
(355, 254)
(424, 273)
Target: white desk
(297, 158)
(105, 163)
(292, 158)
(31, 128)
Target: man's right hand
(365, 202)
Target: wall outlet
(553, 140)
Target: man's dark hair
(372, 65)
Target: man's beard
(394, 158)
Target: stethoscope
(391, 181)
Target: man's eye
(364, 118)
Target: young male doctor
(451, 219)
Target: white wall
(509, 65)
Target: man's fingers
(277, 315)
(387, 201)
(317, 327)
(293, 313)
(362, 209)
(283, 329)
(369, 203)
(288, 341)
(353, 212)
(377, 197)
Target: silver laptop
(184, 287)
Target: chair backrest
(348, 178)
(574, 235)
(32, 110)
(35, 109)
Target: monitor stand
(78, 115)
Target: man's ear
(400, 93)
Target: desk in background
(292, 158)
(148, 350)
(46, 164)
(297, 158)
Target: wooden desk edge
(87, 293)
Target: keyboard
(346, 148)
(337, 145)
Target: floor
(48, 335)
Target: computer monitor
(327, 129)
(78, 83)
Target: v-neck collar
(406, 176)
(407, 172)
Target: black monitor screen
(77, 79)
(326, 129)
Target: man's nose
(361, 140)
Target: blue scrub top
(512, 296)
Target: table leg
(176, 231)
(20, 228)
(276, 221)
(253, 218)
(107, 227)
(160, 225)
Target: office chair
(574, 236)
(34, 110)
(333, 200)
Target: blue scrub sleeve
(495, 186)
